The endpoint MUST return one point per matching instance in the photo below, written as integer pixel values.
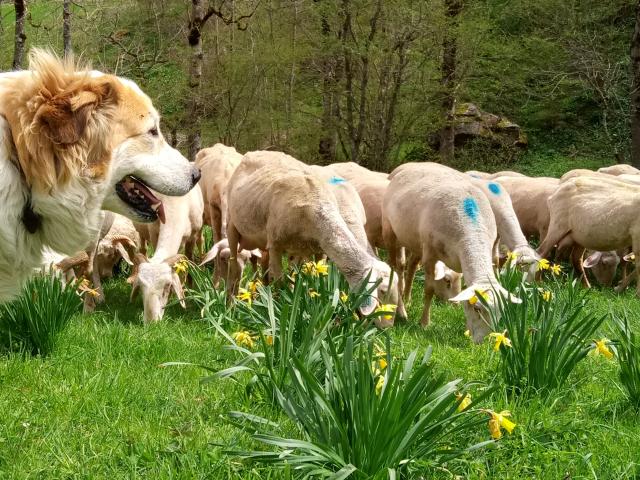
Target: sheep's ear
(513, 299)
(122, 251)
(440, 270)
(135, 287)
(592, 260)
(368, 306)
(177, 288)
(211, 254)
(256, 252)
(629, 257)
(464, 295)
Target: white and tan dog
(73, 142)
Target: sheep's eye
(153, 132)
(448, 283)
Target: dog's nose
(195, 175)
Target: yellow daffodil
(476, 298)
(269, 340)
(388, 308)
(243, 338)
(245, 296)
(84, 287)
(316, 269)
(546, 295)
(253, 286)
(463, 401)
(556, 269)
(543, 264)
(512, 257)
(601, 348)
(181, 266)
(322, 268)
(501, 339)
(313, 293)
(467, 333)
(499, 421)
(344, 297)
(378, 366)
(379, 385)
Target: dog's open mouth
(138, 196)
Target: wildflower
(322, 268)
(253, 286)
(84, 287)
(463, 401)
(245, 296)
(546, 295)
(556, 269)
(378, 366)
(269, 340)
(467, 333)
(499, 421)
(543, 264)
(243, 338)
(344, 297)
(601, 348)
(315, 269)
(501, 339)
(313, 293)
(479, 293)
(512, 257)
(388, 309)
(379, 385)
(181, 266)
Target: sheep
(492, 176)
(619, 169)
(594, 213)
(216, 164)
(279, 204)
(352, 171)
(220, 253)
(578, 172)
(440, 213)
(603, 265)
(155, 277)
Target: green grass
(100, 406)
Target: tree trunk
(635, 91)
(66, 28)
(328, 136)
(20, 37)
(449, 54)
(195, 107)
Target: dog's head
(71, 124)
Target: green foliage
(34, 321)
(362, 421)
(550, 332)
(628, 350)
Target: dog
(74, 142)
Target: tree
(449, 55)
(66, 28)
(635, 91)
(20, 37)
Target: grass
(100, 406)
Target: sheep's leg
(233, 270)
(626, 280)
(636, 252)
(275, 263)
(396, 263)
(216, 224)
(555, 234)
(90, 301)
(412, 265)
(429, 266)
(576, 260)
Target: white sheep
(221, 253)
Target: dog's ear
(64, 117)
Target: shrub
(363, 418)
(542, 339)
(33, 321)
(628, 350)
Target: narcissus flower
(269, 340)
(512, 257)
(467, 333)
(546, 295)
(344, 297)
(463, 401)
(243, 338)
(84, 287)
(479, 294)
(181, 267)
(245, 296)
(601, 348)
(315, 269)
(253, 286)
(389, 310)
(322, 268)
(543, 264)
(379, 385)
(556, 269)
(313, 293)
(501, 339)
(499, 421)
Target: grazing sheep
(155, 277)
(619, 169)
(221, 253)
(603, 265)
(279, 204)
(578, 172)
(441, 214)
(352, 171)
(594, 213)
(216, 164)
(491, 176)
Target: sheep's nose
(195, 175)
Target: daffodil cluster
(316, 269)
(243, 339)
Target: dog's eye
(153, 131)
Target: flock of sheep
(264, 205)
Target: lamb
(216, 164)
(156, 277)
(594, 213)
(442, 214)
(279, 204)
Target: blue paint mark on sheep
(471, 210)
(494, 188)
(336, 180)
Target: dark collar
(30, 219)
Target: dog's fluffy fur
(67, 137)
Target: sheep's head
(477, 300)
(385, 292)
(110, 251)
(448, 283)
(221, 253)
(155, 281)
(603, 265)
